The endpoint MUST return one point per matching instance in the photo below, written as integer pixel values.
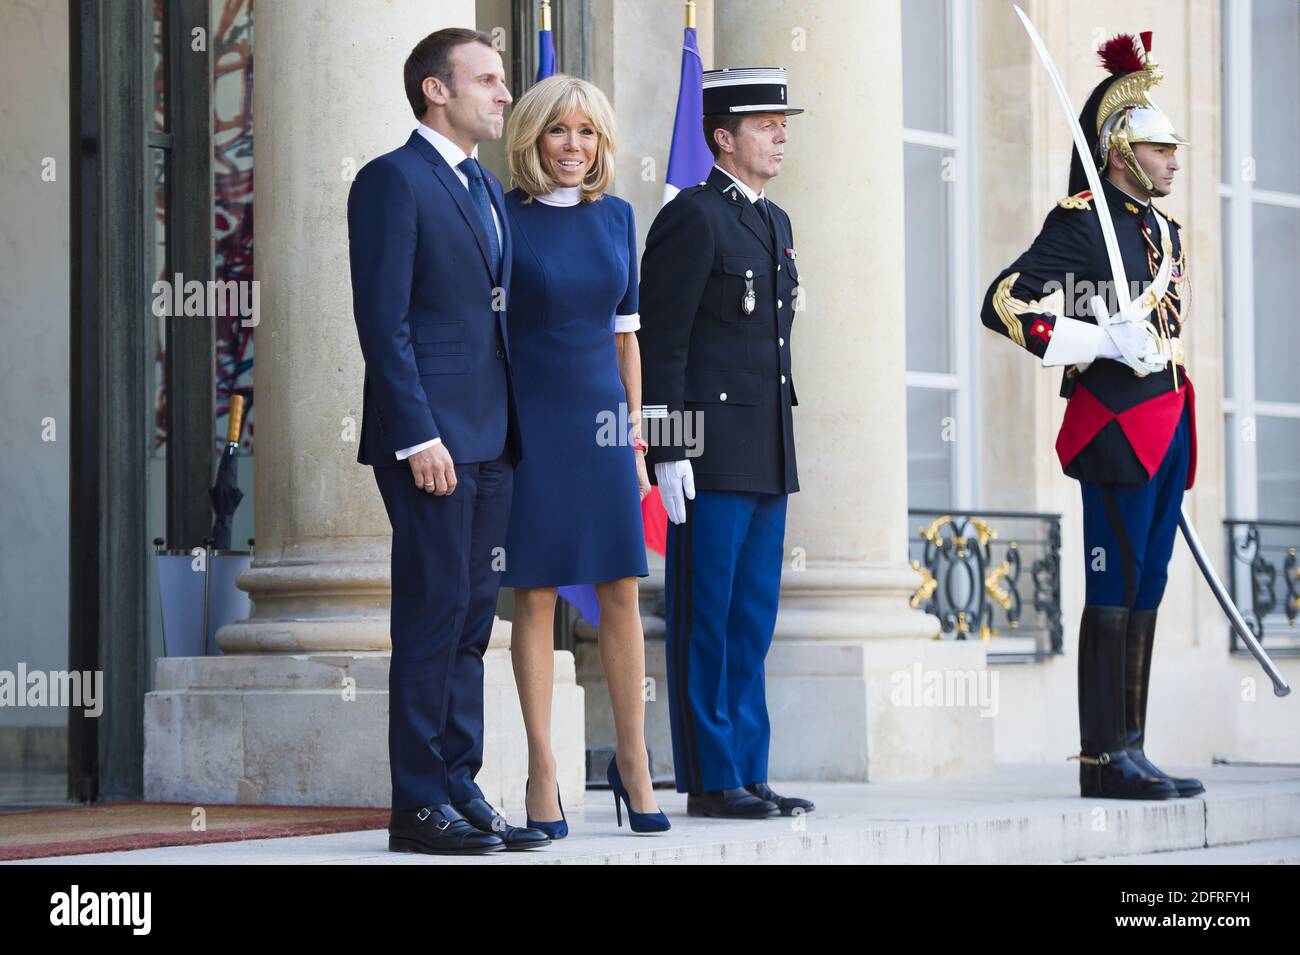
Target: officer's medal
(748, 300)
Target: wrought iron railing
(993, 576)
(1264, 580)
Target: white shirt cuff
(405, 453)
(627, 323)
(1073, 342)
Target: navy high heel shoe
(556, 830)
(639, 821)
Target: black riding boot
(1105, 769)
(1137, 678)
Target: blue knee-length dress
(576, 515)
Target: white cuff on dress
(627, 323)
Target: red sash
(1149, 427)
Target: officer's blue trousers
(1128, 532)
(723, 583)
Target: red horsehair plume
(1121, 54)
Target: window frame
(1239, 400)
(962, 382)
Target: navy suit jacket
(429, 315)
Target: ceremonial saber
(1089, 168)
(1118, 275)
(1280, 686)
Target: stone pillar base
(312, 730)
(866, 710)
(880, 710)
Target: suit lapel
(447, 176)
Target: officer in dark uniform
(1129, 431)
(719, 288)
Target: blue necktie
(483, 205)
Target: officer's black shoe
(1105, 769)
(788, 805)
(483, 817)
(438, 830)
(1137, 681)
(729, 804)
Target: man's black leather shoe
(482, 816)
(729, 804)
(788, 805)
(438, 830)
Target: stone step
(1017, 815)
(1268, 852)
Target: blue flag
(689, 159)
(545, 55)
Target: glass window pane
(1277, 333)
(1231, 450)
(925, 65)
(931, 443)
(159, 270)
(1275, 93)
(1225, 273)
(1278, 464)
(159, 67)
(926, 189)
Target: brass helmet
(1120, 111)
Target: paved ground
(1019, 814)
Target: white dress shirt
(454, 156)
(749, 193)
(571, 196)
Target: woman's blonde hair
(552, 100)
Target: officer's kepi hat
(748, 90)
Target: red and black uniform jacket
(1117, 425)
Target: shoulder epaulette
(1166, 215)
(1080, 200)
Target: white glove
(1137, 339)
(676, 484)
(1134, 342)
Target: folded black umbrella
(225, 494)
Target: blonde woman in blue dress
(576, 514)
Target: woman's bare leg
(532, 654)
(622, 653)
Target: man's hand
(1131, 334)
(676, 484)
(433, 469)
(1127, 339)
(642, 478)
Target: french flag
(545, 46)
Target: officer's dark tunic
(700, 351)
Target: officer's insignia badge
(1131, 208)
(747, 302)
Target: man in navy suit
(430, 255)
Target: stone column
(327, 98)
(847, 639)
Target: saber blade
(1280, 685)
(1089, 168)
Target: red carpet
(113, 827)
